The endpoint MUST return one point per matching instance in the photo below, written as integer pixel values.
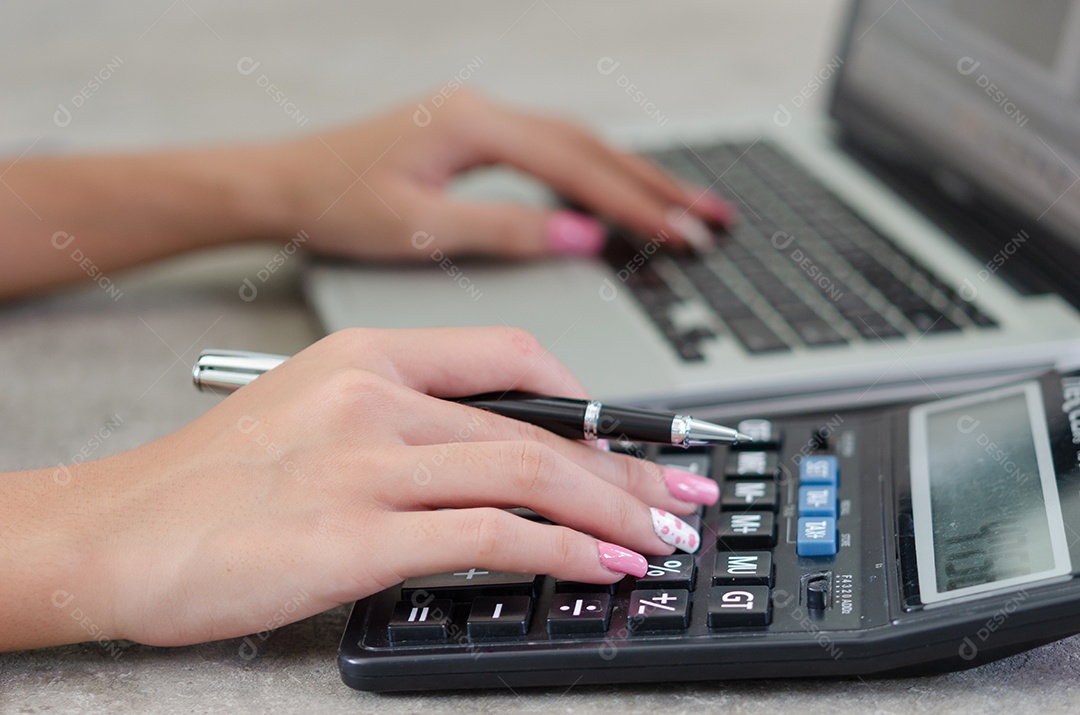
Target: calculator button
(694, 463)
(817, 501)
(658, 610)
(577, 613)
(412, 621)
(746, 530)
(471, 583)
(742, 464)
(816, 536)
(499, 616)
(763, 433)
(676, 571)
(743, 568)
(742, 495)
(739, 606)
(819, 470)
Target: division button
(744, 464)
(414, 622)
(675, 571)
(817, 501)
(499, 617)
(818, 469)
(742, 495)
(658, 610)
(739, 606)
(578, 613)
(746, 530)
(816, 536)
(743, 568)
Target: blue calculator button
(819, 469)
(817, 501)
(817, 536)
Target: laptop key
(755, 336)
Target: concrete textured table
(90, 371)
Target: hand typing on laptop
(364, 191)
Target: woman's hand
(365, 190)
(335, 475)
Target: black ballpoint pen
(567, 417)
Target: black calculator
(898, 540)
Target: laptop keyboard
(800, 268)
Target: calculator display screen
(984, 495)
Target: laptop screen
(983, 93)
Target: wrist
(51, 590)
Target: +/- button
(658, 610)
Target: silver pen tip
(741, 438)
(701, 433)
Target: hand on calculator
(330, 478)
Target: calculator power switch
(817, 590)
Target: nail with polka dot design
(674, 531)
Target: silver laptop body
(941, 112)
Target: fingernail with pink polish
(690, 487)
(619, 560)
(674, 531)
(690, 227)
(571, 233)
(717, 207)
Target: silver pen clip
(231, 369)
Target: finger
(670, 488)
(452, 362)
(569, 161)
(458, 539)
(525, 474)
(511, 230)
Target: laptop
(923, 238)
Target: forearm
(47, 562)
(63, 219)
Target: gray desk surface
(75, 361)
